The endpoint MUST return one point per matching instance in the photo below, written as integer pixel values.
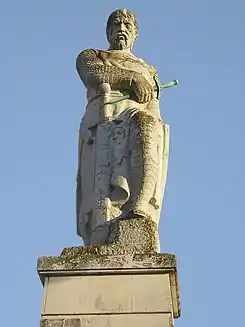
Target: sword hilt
(170, 84)
(160, 88)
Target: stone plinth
(134, 234)
(86, 288)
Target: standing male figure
(123, 143)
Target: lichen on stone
(134, 246)
(60, 323)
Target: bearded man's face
(122, 33)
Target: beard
(120, 42)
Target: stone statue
(123, 142)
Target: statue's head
(121, 29)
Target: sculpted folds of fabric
(123, 142)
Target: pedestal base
(84, 290)
(138, 320)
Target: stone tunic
(123, 154)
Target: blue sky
(199, 42)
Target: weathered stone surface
(127, 236)
(131, 235)
(94, 260)
(123, 142)
(61, 323)
(66, 269)
(86, 258)
(107, 294)
(80, 263)
(134, 246)
(134, 320)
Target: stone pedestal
(102, 291)
(111, 285)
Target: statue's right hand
(142, 89)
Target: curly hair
(125, 13)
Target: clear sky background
(202, 44)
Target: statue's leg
(145, 143)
